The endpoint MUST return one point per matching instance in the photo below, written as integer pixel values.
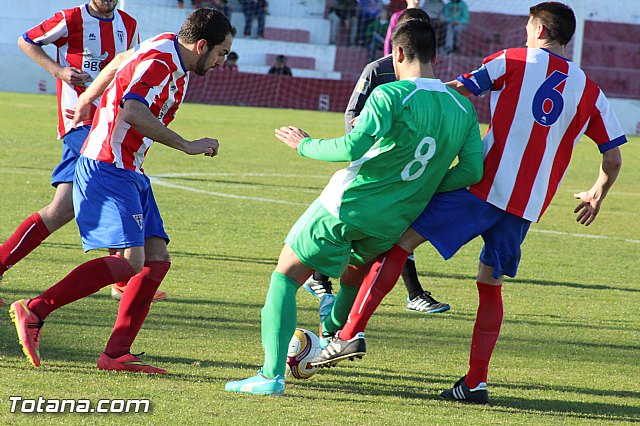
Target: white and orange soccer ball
(303, 347)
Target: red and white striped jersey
(541, 104)
(153, 75)
(85, 42)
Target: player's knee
(136, 258)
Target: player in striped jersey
(113, 200)
(88, 37)
(541, 104)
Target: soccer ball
(303, 347)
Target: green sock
(279, 319)
(341, 308)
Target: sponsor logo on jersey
(363, 85)
(120, 35)
(92, 36)
(87, 54)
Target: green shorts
(328, 245)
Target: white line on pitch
(160, 182)
(178, 175)
(595, 237)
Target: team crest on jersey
(363, 85)
(120, 35)
(139, 220)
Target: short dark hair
(417, 39)
(557, 18)
(413, 14)
(206, 24)
(232, 55)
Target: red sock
(485, 332)
(27, 236)
(83, 281)
(134, 307)
(382, 277)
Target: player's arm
(138, 115)
(36, 53)
(469, 169)
(358, 97)
(345, 148)
(459, 87)
(97, 87)
(591, 200)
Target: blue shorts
(452, 219)
(114, 208)
(71, 146)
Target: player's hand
(588, 208)
(82, 111)
(206, 146)
(73, 76)
(291, 135)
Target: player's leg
(103, 196)
(133, 310)
(419, 299)
(449, 221)
(37, 227)
(500, 256)
(350, 282)
(319, 286)
(312, 244)
(279, 320)
(376, 284)
(136, 301)
(29, 315)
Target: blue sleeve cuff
(470, 85)
(612, 144)
(28, 40)
(133, 96)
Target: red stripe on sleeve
(45, 26)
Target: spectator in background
(393, 23)
(252, 9)
(220, 5)
(368, 13)
(280, 68)
(375, 34)
(231, 64)
(342, 13)
(394, 6)
(435, 10)
(456, 16)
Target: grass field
(569, 351)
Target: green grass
(569, 351)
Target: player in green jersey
(408, 134)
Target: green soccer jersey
(404, 142)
